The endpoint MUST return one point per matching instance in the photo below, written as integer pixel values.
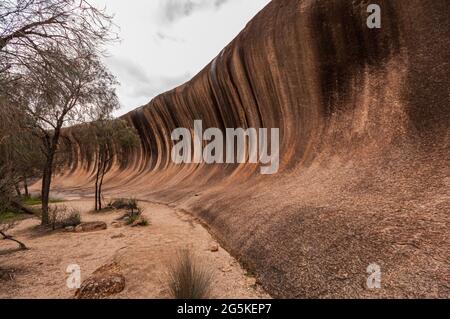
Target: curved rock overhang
(364, 119)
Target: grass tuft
(135, 218)
(188, 279)
(10, 216)
(36, 200)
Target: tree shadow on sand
(9, 251)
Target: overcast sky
(164, 43)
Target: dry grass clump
(188, 279)
(124, 203)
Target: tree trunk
(100, 185)
(25, 186)
(17, 190)
(96, 196)
(52, 146)
(46, 183)
(96, 193)
(97, 176)
(45, 192)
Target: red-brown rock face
(364, 119)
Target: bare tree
(114, 141)
(29, 27)
(64, 90)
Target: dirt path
(143, 254)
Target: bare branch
(5, 228)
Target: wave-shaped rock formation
(364, 176)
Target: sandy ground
(143, 254)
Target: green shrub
(135, 218)
(130, 219)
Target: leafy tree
(51, 76)
(20, 158)
(60, 92)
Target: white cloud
(166, 42)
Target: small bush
(73, 219)
(62, 216)
(135, 218)
(143, 221)
(124, 203)
(130, 219)
(188, 279)
(133, 215)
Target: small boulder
(226, 269)
(91, 226)
(104, 282)
(116, 224)
(214, 248)
(69, 229)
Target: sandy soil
(143, 254)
